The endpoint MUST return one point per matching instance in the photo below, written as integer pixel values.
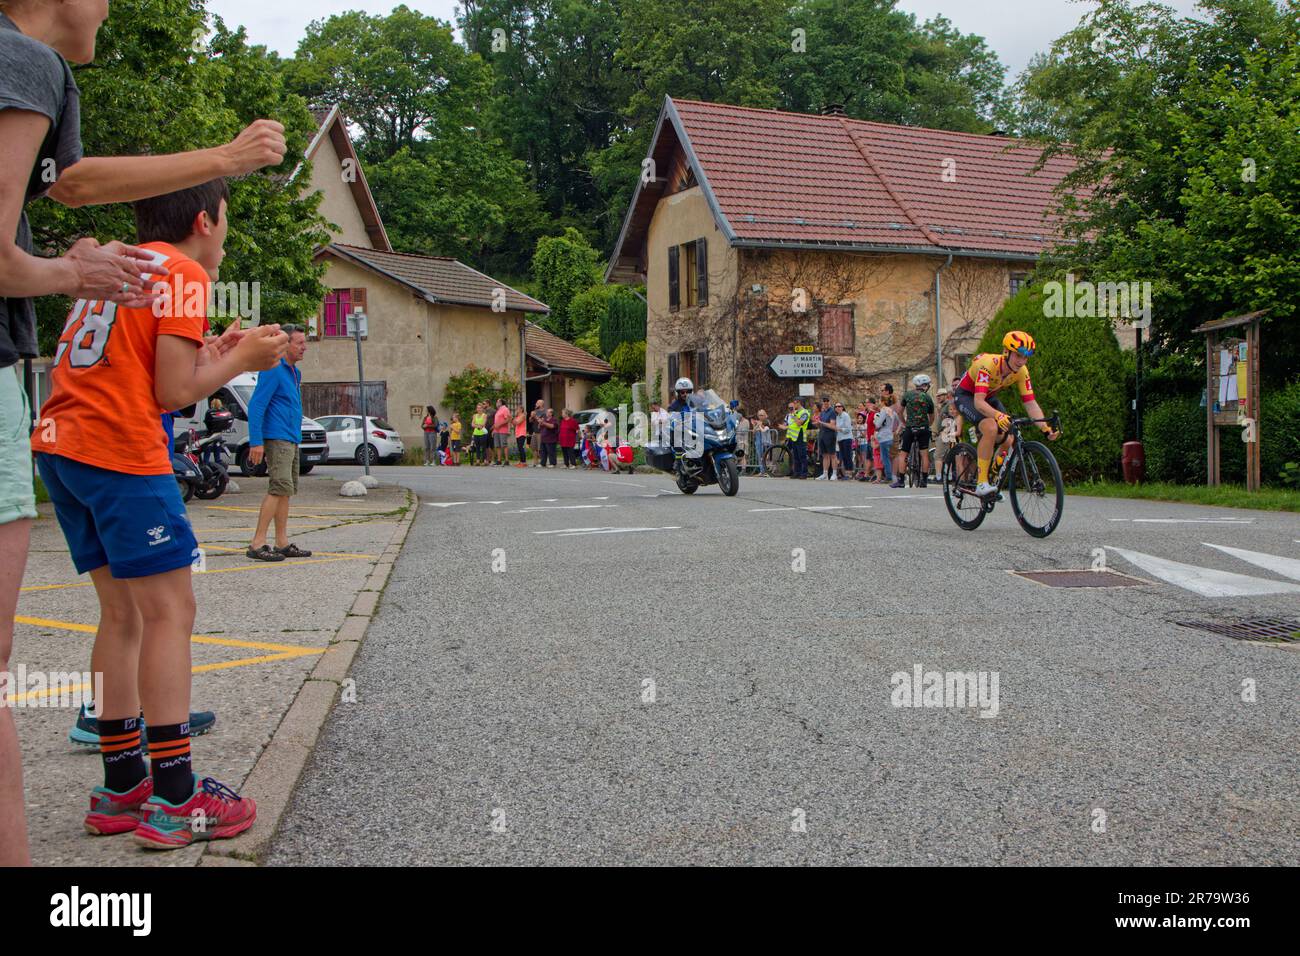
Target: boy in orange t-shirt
(107, 467)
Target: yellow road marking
(292, 526)
(239, 567)
(283, 652)
(354, 514)
(195, 638)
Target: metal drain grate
(1273, 629)
(1080, 579)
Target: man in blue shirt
(274, 431)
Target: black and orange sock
(169, 762)
(119, 747)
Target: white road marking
(1204, 581)
(1186, 520)
(574, 532)
(446, 504)
(523, 511)
(1287, 567)
(489, 502)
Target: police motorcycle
(700, 445)
(205, 479)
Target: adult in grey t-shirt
(33, 77)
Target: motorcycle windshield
(706, 400)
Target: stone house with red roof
(886, 249)
(428, 317)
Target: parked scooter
(203, 474)
(701, 448)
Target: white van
(235, 395)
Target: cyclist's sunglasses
(1026, 352)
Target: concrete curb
(277, 771)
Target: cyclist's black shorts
(910, 435)
(965, 402)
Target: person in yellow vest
(479, 449)
(796, 433)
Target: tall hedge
(1079, 371)
(1173, 435)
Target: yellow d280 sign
(805, 349)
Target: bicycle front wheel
(777, 460)
(1037, 492)
(960, 475)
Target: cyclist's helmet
(1021, 342)
(921, 381)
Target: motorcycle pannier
(657, 456)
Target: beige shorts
(282, 467)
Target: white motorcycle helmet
(684, 385)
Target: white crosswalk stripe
(1287, 567)
(1207, 582)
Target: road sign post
(357, 321)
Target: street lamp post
(357, 320)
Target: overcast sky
(1015, 29)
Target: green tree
(444, 182)
(150, 90)
(629, 361)
(564, 266)
(472, 385)
(1189, 177)
(878, 64)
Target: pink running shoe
(213, 812)
(112, 812)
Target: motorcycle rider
(683, 388)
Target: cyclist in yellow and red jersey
(988, 374)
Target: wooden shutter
(359, 305)
(836, 329)
(702, 368)
(701, 272)
(674, 293)
(674, 370)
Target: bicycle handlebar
(1054, 421)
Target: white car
(343, 434)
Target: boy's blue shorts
(136, 524)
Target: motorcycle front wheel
(214, 488)
(729, 477)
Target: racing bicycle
(1030, 475)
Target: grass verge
(1222, 496)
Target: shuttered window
(674, 292)
(674, 370)
(702, 368)
(836, 330)
(334, 314)
(701, 272)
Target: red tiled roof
(792, 178)
(438, 278)
(561, 356)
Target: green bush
(1173, 435)
(1078, 371)
(611, 394)
(629, 361)
(624, 321)
(587, 312)
(473, 385)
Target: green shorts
(282, 467)
(17, 497)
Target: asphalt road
(647, 677)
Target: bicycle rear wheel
(1037, 492)
(960, 475)
(777, 460)
(914, 465)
